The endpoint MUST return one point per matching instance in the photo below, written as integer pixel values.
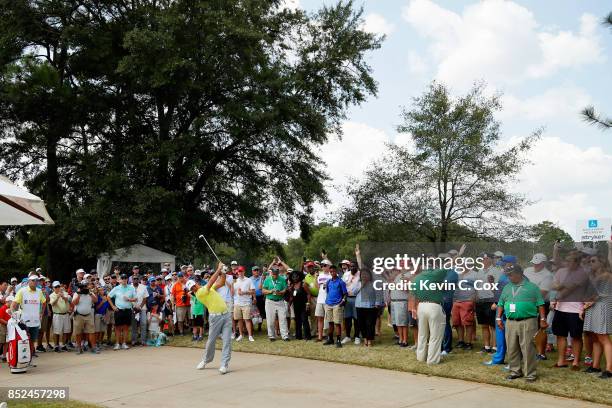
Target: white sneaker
(444, 353)
(201, 365)
(251, 338)
(124, 346)
(346, 340)
(239, 338)
(233, 336)
(223, 370)
(357, 341)
(117, 347)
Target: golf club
(211, 250)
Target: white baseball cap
(538, 259)
(87, 276)
(189, 284)
(13, 279)
(80, 270)
(499, 254)
(453, 252)
(326, 262)
(346, 261)
(233, 263)
(56, 284)
(33, 277)
(168, 277)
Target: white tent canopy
(133, 254)
(18, 207)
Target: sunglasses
(594, 260)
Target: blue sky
(549, 58)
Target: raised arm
(358, 256)
(556, 258)
(215, 276)
(284, 266)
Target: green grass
(460, 364)
(62, 404)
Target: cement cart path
(166, 377)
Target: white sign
(593, 229)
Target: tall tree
(453, 180)
(156, 120)
(589, 113)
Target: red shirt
(4, 313)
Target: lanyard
(515, 293)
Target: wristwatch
(498, 318)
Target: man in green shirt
(430, 314)
(523, 304)
(274, 288)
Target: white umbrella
(18, 207)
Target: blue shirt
(336, 290)
(101, 306)
(119, 292)
(151, 298)
(256, 282)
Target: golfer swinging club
(220, 319)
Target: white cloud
(563, 168)
(566, 49)
(416, 64)
(499, 41)
(556, 102)
(352, 154)
(377, 24)
(568, 182)
(343, 158)
(562, 210)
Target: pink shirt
(573, 300)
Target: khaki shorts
(84, 324)
(181, 313)
(242, 312)
(99, 324)
(320, 310)
(334, 314)
(61, 324)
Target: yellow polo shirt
(211, 299)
